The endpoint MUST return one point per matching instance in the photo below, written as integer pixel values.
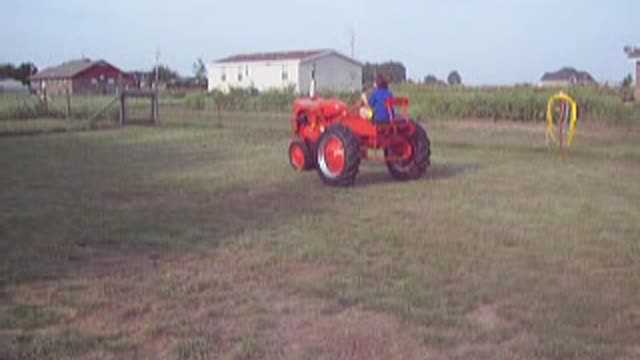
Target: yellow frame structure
(551, 134)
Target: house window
(111, 81)
(240, 73)
(223, 77)
(94, 81)
(246, 71)
(285, 74)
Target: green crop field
(513, 103)
(196, 240)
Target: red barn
(80, 77)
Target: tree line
(453, 79)
(20, 72)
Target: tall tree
(454, 78)
(432, 80)
(626, 89)
(165, 74)
(393, 71)
(200, 71)
(24, 72)
(21, 73)
(7, 70)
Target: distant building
(9, 85)
(633, 53)
(80, 77)
(290, 69)
(141, 79)
(187, 84)
(567, 76)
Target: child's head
(381, 82)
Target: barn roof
(568, 74)
(283, 55)
(68, 69)
(632, 52)
(273, 56)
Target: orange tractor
(331, 137)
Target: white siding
(333, 73)
(262, 75)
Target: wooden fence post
(156, 102)
(45, 99)
(123, 109)
(68, 109)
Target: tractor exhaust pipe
(312, 89)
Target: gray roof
(302, 55)
(632, 52)
(272, 56)
(568, 74)
(67, 70)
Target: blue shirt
(376, 102)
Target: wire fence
(508, 103)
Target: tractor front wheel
(300, 156)
(338, 156)
(417, 164)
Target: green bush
(14, 107)
(195, 101)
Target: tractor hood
(329, 108)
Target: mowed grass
(196, 240)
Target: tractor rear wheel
(300, 156)
(417, 165)
(338, 156)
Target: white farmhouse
(290, 69)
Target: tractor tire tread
(351, 154)
(308, 155)
(421, 158)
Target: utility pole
(156, 67)
(353, 43)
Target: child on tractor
(333, 138)
(381, 114)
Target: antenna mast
(157, 65)
(353, 43)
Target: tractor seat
(397, 102)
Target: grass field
(195, 240)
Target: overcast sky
(488, 42)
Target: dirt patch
(352, 334)
(492, 334)
(635, 351)
(311, 272)
(231, 302)
(486, 317)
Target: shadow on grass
(121, 236)
(131, 230)
(576, 151)
(436, 172)
(8, 134)
(439, 172)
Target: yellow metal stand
(551, 127)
